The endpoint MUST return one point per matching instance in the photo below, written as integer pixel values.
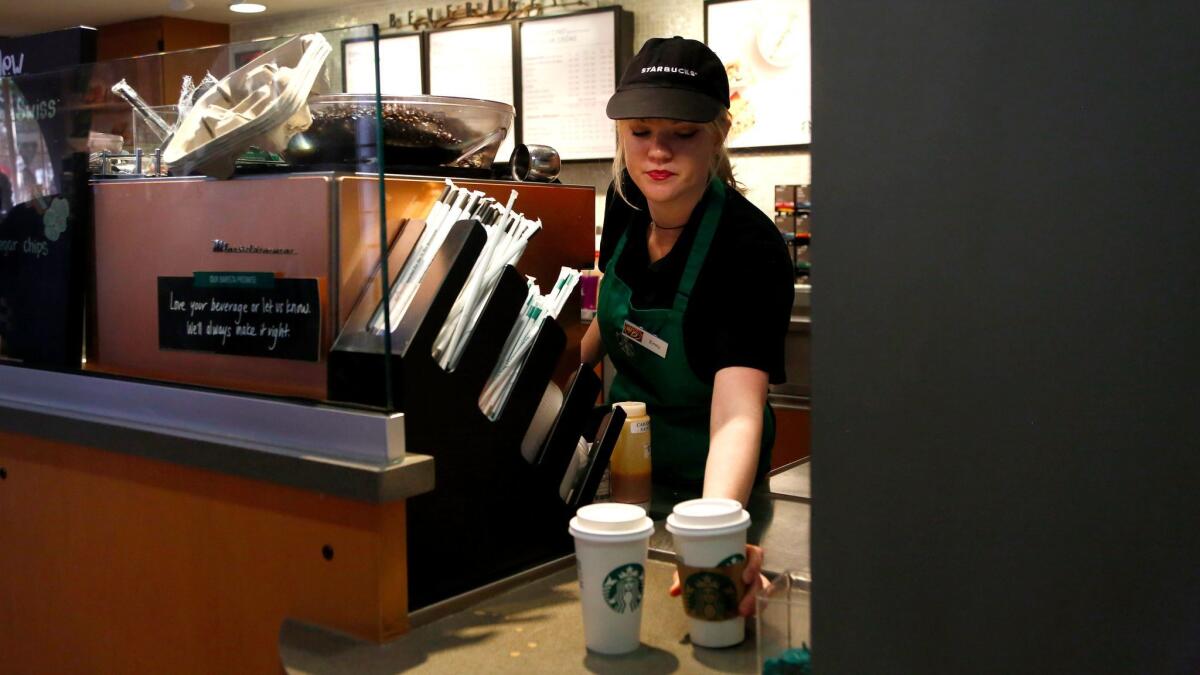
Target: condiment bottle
(630, 463)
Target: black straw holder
(491, 514)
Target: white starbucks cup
(710, 541)
(610, 552)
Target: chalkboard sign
(241, 313)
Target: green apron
(678, 402)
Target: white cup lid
(709, 516)
(611, 521)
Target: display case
(224, 252)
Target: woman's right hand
(752, 576)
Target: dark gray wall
(1007, 337)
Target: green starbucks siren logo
(732, 560)
(710, 597)
(623, 588)
(55, 218)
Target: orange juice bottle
(630, 463)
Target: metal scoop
(482, 143)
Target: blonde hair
(720, 167)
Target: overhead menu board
(568, 73)
(766, 49)
(399, 65)
(474, 62)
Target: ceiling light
(180, 5)
(247, 7)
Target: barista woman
(697, 291)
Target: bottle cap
(631, 408)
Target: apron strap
(616, 254)
(708, 226)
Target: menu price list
(568, 68)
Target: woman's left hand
(753, 578)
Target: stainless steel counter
(797, 351)
(780, 528)
(358, 454)
(793, 481)
(533, 622)
(535, 628)
(778, 523)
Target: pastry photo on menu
(767, 61)
(740, 107)
(779, 38)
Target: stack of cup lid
(263, 103)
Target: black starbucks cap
(673, 78)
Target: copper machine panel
(156, 227)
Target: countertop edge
(376, 483)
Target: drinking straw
(468, 306)
(521, 339)
(449, 194)
(422, 256)
(504, 248)
(444, 346)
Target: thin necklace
(660, 227)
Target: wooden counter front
(114, 563)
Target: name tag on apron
(652, 342)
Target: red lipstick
(659, 174)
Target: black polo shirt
(742, 302)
